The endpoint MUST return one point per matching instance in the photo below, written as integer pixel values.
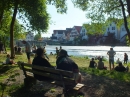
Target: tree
(37, 36)
(4, 29)
(100, 10)
(128, 6)
(38, 21)
(94, 28)
(4, 6)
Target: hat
(64, 52)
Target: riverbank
(100, 83)
(91, 51)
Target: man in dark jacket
(65, 63)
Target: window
(113, 28)
(83, 30)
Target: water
(91, 51)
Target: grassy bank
(83, 63)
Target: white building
(75, 32)
(83, 33)
(59, 34)
(112, 28)
(30, 37)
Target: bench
(58, 77)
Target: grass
(83, 63)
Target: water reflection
(92, 51)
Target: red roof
(78, 28)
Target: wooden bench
(58, 77)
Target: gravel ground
(96, 86)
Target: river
(91, 51)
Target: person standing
(60, 48)
(15, 49)
(45, 54)
(28, 50)
(125, 58)
(111, 54)
(57, 52)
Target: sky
(73, 17)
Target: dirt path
(97, 86)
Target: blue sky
(73, 17)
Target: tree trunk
(4, 42)
(128, 6)
(1, 16)
(125, 19)
(11, 29)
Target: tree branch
(115, 7)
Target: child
(8, 60)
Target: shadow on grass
(5, 68)
(105, 83)
(28, 92)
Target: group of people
(99, 65)
(63, 62)
(120, 66)
(93, 64)
(18, 50)
(111, 54)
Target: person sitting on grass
(120, 68)
(101, 65)
(117, 61)
(92, 63)
(51, 53)
(8, 60)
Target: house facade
(68, 31)
(83, 33)
(59, 35)
(75, 32)
(30, 37)
(112, 29)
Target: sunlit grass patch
(122, 76)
